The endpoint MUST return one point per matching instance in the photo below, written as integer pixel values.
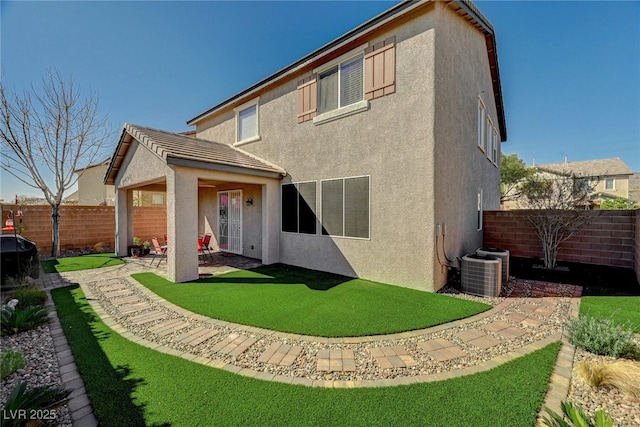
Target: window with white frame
(341, 85)
(487, 139)
(494, 146)
(248, 122)
(479, 217)
(610, 184)
(299, 208)
(346, 207)
(345, 85)
(482, 124)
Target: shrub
(22, 402)
(577, 417)
(622, 374)
(16, 320)
(11, 361)
(29, 295)
(602, 336)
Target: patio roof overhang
(186, 151)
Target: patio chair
(160, 251)
(203, 246)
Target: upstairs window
(494, 146)
(341, 85)
(247, 122)
(610, 184)
(482, 125)
(344, 85)
(480, 207)
(487, 140)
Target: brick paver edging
(78, 404)
(560, 380)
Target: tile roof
(180, 149)
(600, 167)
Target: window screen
(299, 208)
(328, 88)
(356, 207)
(307, 207)
(332, 207)
(289, 208)
(481, 124)
(345, 207)
(341, 85)
(351, 85)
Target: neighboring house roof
(182, 150)
(589, 168)
(72, 197)
(104, 162)
(464, 8)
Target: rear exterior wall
(392, 143)
(461, 168)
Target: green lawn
(131, 385)
(621, 309)
(307, 302)
(83, 262)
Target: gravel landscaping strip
(41, 367)
(622, 408)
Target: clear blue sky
(570, 70)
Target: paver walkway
(512, 328)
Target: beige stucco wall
(140, 167)
(461, 167)
(91, 189)
(392, 143)
(192, 209)
(621, 186)
(418, 146)
(251, 216)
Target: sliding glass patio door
(230, 221)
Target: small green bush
(22, 319)
(602, 336)
(577, 417)
(11, 361)
(22, 402)
(29, 295)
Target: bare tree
(47, 135)
(556, 206)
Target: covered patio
(210, 188)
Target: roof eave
(362, 29)
(109, 177)
(222, 167)
(337, 43)
(492, 48)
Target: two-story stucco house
(371, 156)
(610, 178)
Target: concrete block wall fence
(610, 238)
(149, 221)
(81, 227)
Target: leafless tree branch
(556, 209)
(52, 132)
